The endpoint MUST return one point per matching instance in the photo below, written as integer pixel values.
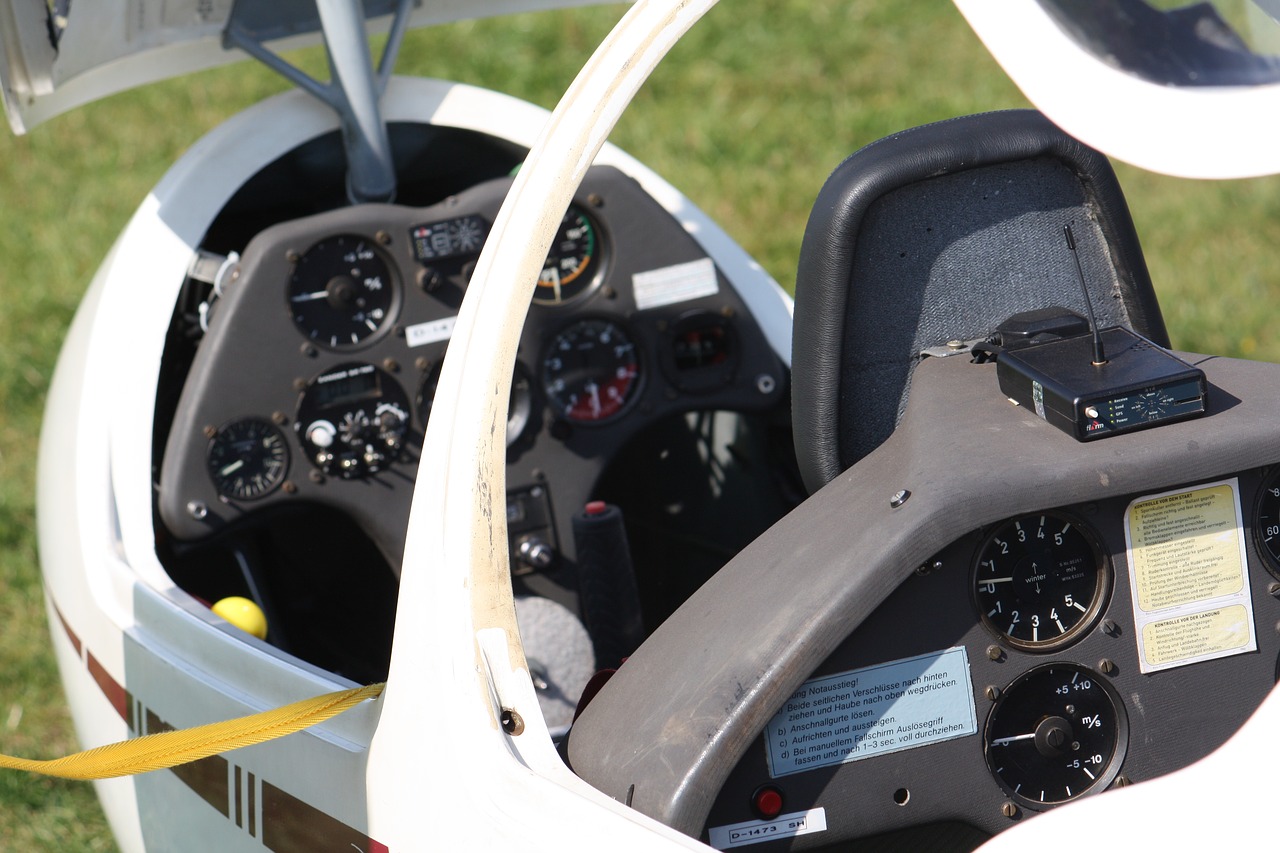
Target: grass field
(747, 117)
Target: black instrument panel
(1051, 722)
(327, 339)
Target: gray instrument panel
(314, 380)
(1167, 719)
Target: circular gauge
(591, 371)
(1266, 522)
(1040, 581)
(573, 264)
(352, 420)
(519, 408)
(341, 293)
(248, 459)
(1057, 732)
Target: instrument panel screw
(317, 476)
(995, 653)
(512, 722)
(899, 498)
(210, 431)
(197, 510)
(308, 350)
(421, 363)
(383, 237)
(992, 692)
(955, 344)
(292, 257)
(1009, 810)
(766, 384)
(289, 487)
(391, 365)
(726, 311)
(1107, 666)
(1110, 628)
(1274, 589)
(595, 200)
(1122, 782)
(299, 384)
(279, 418)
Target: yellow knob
(244, 614)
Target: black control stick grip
(607, 583)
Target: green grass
(748, 116)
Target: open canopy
(57, 54)
(1185, 88)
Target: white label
(679, 283)
(429, 333)
(755, 831)
(1188, 576)
(864, 712)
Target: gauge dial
(342, 292)
(573, 264)
(248, 459)
(591, 371)
(519, 407)
(1040, 581)
(352, 420)
(1266, 522)
(1057, 732)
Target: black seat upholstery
(940, 233)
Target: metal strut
(354, 88)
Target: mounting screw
(1110, 628)
(308, 350)
(1107, 666)
(317, 476)
(512, 722)
(210, 431)
(1274, 589)
(299, 384)
(955, 344)
(391, 365)
(292, 257)
(289, 487)
(995, 653)
(1009, 810)
(765, 383)
(197, 510)
(1122, 782)
(383, 237)
(595, 200)
(992, 692)
(279, 418)
(899, 498)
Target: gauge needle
(595, 398)
(310, 297)
(554, 275)
(1005, 741)
(234, 466)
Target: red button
(767, 802)
(596, 508)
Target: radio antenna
(1099, 357)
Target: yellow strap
(169, 749)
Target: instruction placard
(872, 711)
(1188, 576)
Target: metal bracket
(354, 88)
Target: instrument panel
(1047, 657)
(316, 377)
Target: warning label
(872, 711)
(1188, 576)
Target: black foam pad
(940, 233)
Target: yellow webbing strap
(169, 749)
